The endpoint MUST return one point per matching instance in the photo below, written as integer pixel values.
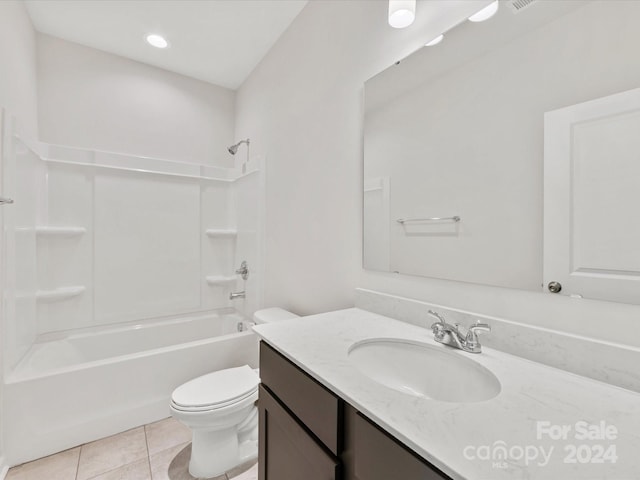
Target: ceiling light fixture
(402, 13)
(157, 41)
(486, 13)
(435, 41)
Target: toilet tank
(275, 314)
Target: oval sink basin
(424, 370)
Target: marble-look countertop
(507, 437)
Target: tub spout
(234, 295)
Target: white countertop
(458, 438)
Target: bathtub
(70, 389)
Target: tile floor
(158, 451)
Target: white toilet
(220, 410)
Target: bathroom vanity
(324, 416)
(308, 432)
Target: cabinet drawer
(314, 405)
(378, 456)
(287, 451)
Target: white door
(592, 198)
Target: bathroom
(98, 135)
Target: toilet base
(248, 451)
(208, 466)
(214, 452)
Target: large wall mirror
(509, 154)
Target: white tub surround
(89, 242)
(117, 276)
(594, 357)
(454, 436)
(75, 388)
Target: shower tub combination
(78, 387)
(117, 272)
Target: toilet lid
(219, 388)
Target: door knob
(554, 287)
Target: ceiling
(218, 41)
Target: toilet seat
(251, 397)
(217, 390)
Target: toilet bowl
(220, 410)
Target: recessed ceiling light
(402, 13)
(486, 13)
(435, 41)
(157, 41)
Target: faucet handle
(474, 330)
(438, 327)
(438, 316)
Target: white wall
(303, 108)
(18, 65)
(100, 101)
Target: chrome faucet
(234, 295)
(452, 335)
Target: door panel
(592, 193)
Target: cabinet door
(310, 402)
(286, 450)
(372, 454)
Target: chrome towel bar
(427, 219)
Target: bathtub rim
(16, 376)
(142, 323)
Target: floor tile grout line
(146, 442)
(78, 462)
(121, 465)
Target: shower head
(233, 149)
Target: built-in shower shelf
(221, 232)
(220, 280)
(58, 294)
(60, 231)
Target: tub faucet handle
(243, 271)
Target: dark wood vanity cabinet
(286, 450)
(308, 433)
(299, 421)
(372, 454)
